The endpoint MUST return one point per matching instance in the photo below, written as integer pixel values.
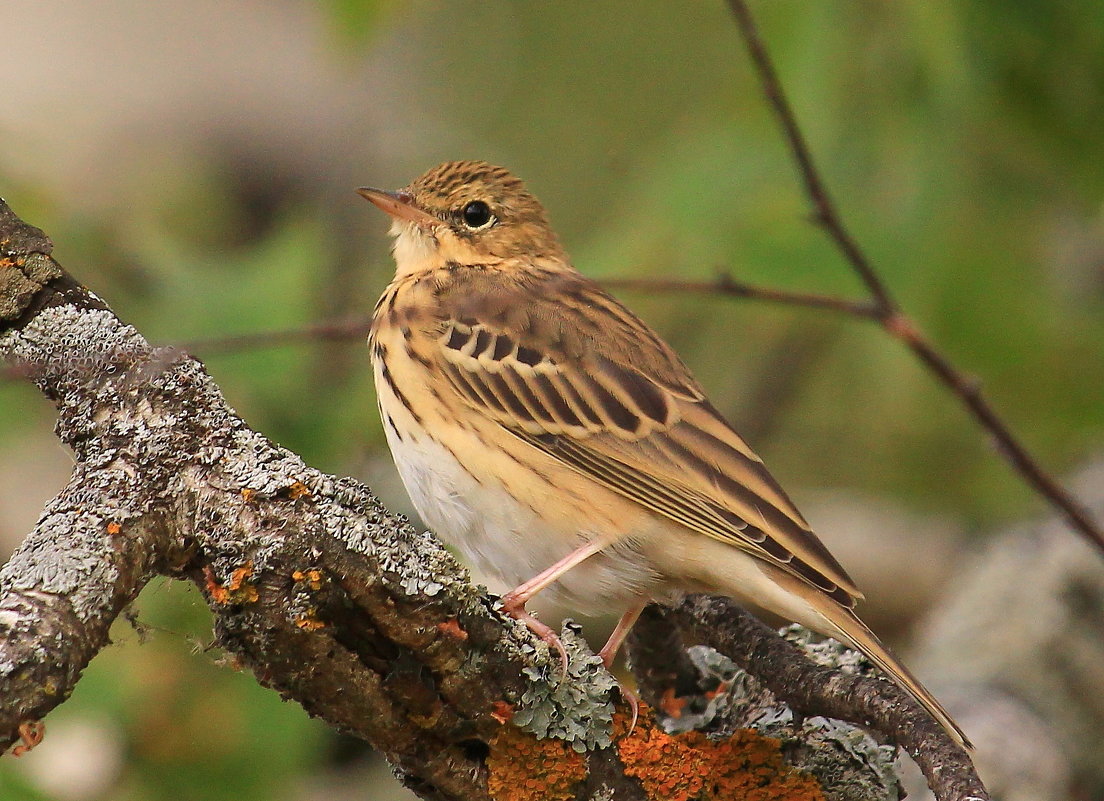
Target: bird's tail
(846, 627)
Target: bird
(552, 437)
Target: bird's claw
(516, 609)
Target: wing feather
(587, 382)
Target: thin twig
(726, 285)
(350, 328)
(969, 390)
(885, 307)
(329, 330)
(824, 210)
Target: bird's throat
(416, 250)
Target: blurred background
(194, 163)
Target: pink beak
(399, 205)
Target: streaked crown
(486, 208)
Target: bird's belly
(506, 541)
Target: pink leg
(620, 631)
(513, 602)
(613, 644)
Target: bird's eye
(477, 215)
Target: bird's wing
(565, 367)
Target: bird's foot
(515, 608)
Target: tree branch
(810, 689)
(824, 210)
(348, 329)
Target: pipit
(552, 437)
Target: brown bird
(552, 437)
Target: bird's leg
(613, 644)
(513, 602)
(620, 631)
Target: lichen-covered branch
(327, 597)
(810, 689)
(55, 613)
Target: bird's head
(465, 212)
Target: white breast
(505, 541)
(440, 489)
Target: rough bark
(326, 596)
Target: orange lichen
(691, 767)
(451, 628)
(236, 591)
(114, 529)
(298, 490)
(671, 705)
(217, 592)
(668, 768)
(308, 622)
(31, 733)
(312, 577)
(238, 577)
(521, 767)
(502, 711)
(248, 495)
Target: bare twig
(824, 209)
(885, 308)
(326, 331)
(727, 285)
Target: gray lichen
(847, 762)
(82, 576)
(575, 707)
(415, 561)
(825, 651)
(715, 669)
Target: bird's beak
(399, 205)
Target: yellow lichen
(308, 622)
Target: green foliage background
(961, 141)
